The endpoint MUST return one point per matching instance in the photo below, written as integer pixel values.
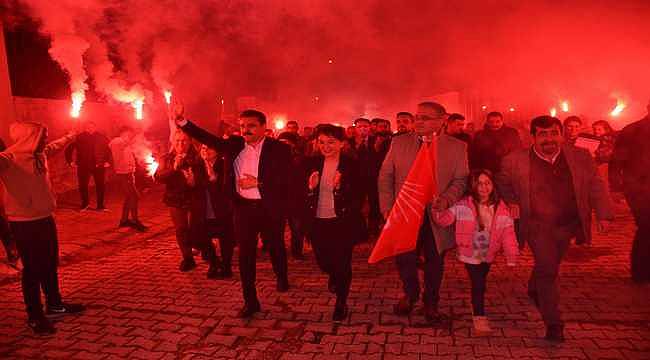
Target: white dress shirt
(248, 162)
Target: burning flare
(78, 98)
(151, 164)
(168, 97)
(553, 112)
(620, 106)
(137, 105)
(565, 106)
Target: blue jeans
(433, 267)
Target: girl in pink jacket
(483, 227)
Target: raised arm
(58, 145)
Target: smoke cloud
(327, 60)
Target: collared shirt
(545, 158)
(326, 207)
(248, 162)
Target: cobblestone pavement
(141, 306)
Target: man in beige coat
(451, 173)
(555, 189)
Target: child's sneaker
(481, 324)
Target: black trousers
(190, 232)
(296, 226)
(223, 230)
(8, 241)
(84, 174)
(252, 219)
(639, 202)
(478, 278)
(548, 243)
(38, 247)
(333, 245)
(126, 183)
(433, 267)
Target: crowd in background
(334, 187)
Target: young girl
(483, 226)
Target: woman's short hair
(330, 130)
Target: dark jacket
(273, 174)
(178, 193)
(91, 150)
(514, 185)
(629, 168)
(489, 147)
(218, 189)
(347, 199)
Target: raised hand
(247, 182)
(178, 112)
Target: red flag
(402, 227)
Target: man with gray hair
(433, 241)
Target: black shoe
(215, 272)
(84, 208)
(187, 265)
(283, 285)
(138, 226)
(404, 307)
(41, 325)
(555, 333)
(227, 272)
(249, 309)
(331, 285)
(433, 316)
(125, 223)
(65, 309)
(340, 313)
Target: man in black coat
(260, 190)
(628, 171)
(492, 144)
(93, 156)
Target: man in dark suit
(493, 143)
(628, 171)
(554, 189)
(260, 188)
(93, 156)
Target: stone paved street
(141, 306)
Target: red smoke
(528, 54)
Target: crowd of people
(334, 187)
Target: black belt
(252, 202)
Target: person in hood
(29, 206)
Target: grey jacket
(513, 183)
(451, 175)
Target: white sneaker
(481, 324)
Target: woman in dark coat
(185, 178)
(334, 219)
(219, 209)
